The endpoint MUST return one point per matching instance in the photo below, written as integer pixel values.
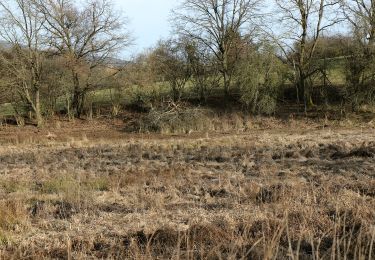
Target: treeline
(248, 51)
(58, 49)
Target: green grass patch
(7, 110)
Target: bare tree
(302, 23)
(361, 15)
(202, 68)
(360, 66)
(87, 36)
(170, 61)
(21, 27)
(217, 24)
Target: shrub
(140, 101)
(174, 118)
(360, 77)
(259, 77)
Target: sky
(148, 21)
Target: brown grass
(264, 194)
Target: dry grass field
(261, 194)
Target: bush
(173, 118)
(140, 101)
(360, 77)
(267, 105)
(260, 77)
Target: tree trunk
(38, 111)
(202, 93)
(68, 108)
(33, 100)
(301, 85)
(302, 89)
(78, 96)
(225, 70)
(226, 85)
(175, 92)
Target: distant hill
(116, 62)
(5, 45)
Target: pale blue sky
(148, 21)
